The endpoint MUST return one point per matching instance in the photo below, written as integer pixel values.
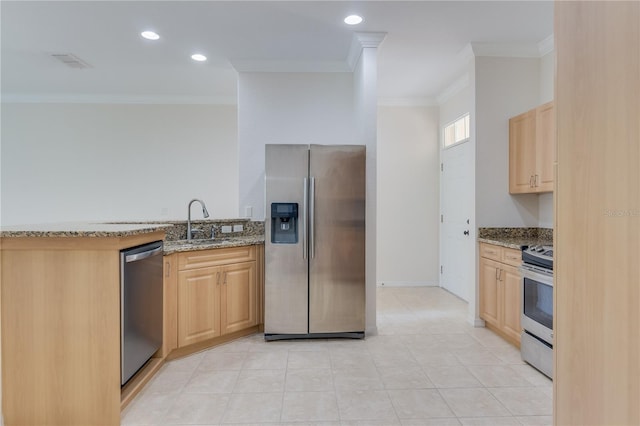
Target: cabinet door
(511, 286)
(198, 305)
(239, 307)
(522, 153)
(489, 294)
(545, 147)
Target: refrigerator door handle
(312, 214)
(305, 205)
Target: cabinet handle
(497, 274)
(225, 278)
(531, 181)
(218, 278)
(536, 181)
(500, 275)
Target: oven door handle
(541, 276)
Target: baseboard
(476, 322)
(408, 284)
(138, 382)
(210, 343)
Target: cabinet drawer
(511, 256)
(490, 251)
(215, 257)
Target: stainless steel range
(536, 344)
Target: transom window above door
(456, 132)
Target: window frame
(452, 124)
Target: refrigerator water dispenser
(284, 223)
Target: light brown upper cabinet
(531, 150)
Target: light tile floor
(426, 366)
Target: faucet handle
(213, 232)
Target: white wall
(96, 162)
(504, 87)
(408, 195)
(547, 74)
(288, 108)
(460, 103)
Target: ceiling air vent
(70, 60)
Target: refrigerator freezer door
(286, 288)
(337, 239)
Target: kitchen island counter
(61, 321)
(80, 229)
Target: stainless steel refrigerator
(314, 241)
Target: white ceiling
(422, 54)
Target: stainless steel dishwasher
(140, 306)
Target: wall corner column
(365, 76)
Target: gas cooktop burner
(541, 256)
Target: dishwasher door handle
(143, 255)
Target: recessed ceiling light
(198, 57)
(353, 20)
(150, 35)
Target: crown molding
(407, 102)
(454, 88)
(370, 39)
(466, 54)
(506, 50)
(290, 66)
(49, 98)
(546, 46)
(360, 41)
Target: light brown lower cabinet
(61, 320)
(61, 329)
(216, 300)
(238, 301)
(501, 290)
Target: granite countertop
(80, 229)
(516, 238)
(175, 232)
(171, 247)
(515, 243)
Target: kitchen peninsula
(61, 318)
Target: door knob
(466, 232)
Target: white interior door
(457, 236)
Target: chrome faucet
(204, 212)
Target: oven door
(537, 302)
